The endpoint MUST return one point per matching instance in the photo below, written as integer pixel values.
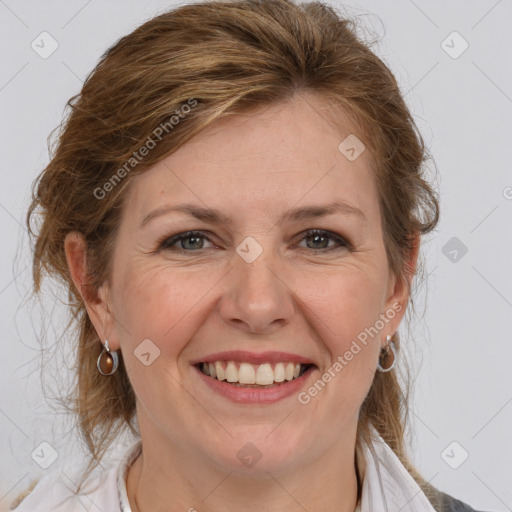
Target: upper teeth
(246, 373)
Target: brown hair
(219, 58)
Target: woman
(236, 204)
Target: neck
(165, 474)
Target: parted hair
(165, 82)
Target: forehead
(262, 161)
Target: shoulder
(443, 502)
(56, 492)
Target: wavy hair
(228, 57)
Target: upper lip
(243, 356)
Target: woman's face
(254, 283)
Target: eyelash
(167, 242)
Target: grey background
(462, 346)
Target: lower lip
(255, 395)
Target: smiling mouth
(266, 375)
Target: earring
(385, 355)
(108, 361)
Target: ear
(97, 307)
(398, 290)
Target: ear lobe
(399, 287)
(97, 308)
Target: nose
(256, 297)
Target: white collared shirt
(387, 486)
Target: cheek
(155, 319)
(345, 310)
(155, 302)
(344, 305)
(156, 316)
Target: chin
(256, 453)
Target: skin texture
(295, 297)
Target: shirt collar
(124, 465)
(387, 485)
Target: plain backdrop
(459, 87)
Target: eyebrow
(294, 215)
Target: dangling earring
(108, 361)
(384, 355)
